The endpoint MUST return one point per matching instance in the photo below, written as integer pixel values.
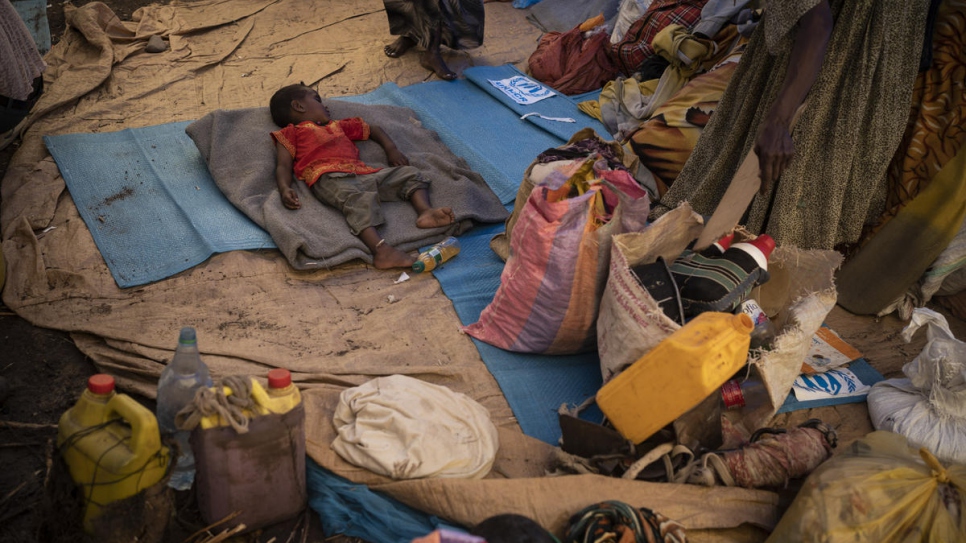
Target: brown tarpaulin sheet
(332, 329)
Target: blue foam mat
(150, 203)
(559, 105)
(535, 386)
(482, 125)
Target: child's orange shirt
(318, 150)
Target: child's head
(511, 528)
(297, 103)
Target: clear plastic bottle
(763, 336)
(746, 402)
(185, 374)
(744, 394)
(437, 254)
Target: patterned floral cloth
(935, 132)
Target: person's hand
(290, 198)
(396, 158)
(775, 150)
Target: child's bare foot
(432, 60)
(387, 257)
(437, 216)
(399, 47)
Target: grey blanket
(238, 148)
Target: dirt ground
(42, 373)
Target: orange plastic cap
(279, 378)
(100, 383)
(743, 323)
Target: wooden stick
(26, 425)
(210, 526)
(226, 534)
(12, 492)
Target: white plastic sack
(628, 12)
(405, 428)
(929, 405)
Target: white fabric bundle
(405, 428)
(929, 407)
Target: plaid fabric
(635, 47)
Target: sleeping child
(320, 151)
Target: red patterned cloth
(635, 47)
(325, 149)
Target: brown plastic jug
(260, 473)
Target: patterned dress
(462, 21)
(854, 120)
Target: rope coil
(213, 401)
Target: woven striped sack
(555, 274)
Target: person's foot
(399, 47)
(432, 60)
(388, 257)
(437, 216)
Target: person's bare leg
(428, 216)
(432, 58)
(399, 47)
(384, 256)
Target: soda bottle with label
(437, 254)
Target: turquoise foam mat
(482, 125)
(149, 202)
(535, 386)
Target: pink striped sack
(554, 277)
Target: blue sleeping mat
(482, 125)
(149, 201)
(535, 386)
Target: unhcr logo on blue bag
(833, 383)
(523, 90)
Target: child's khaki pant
(358, 196)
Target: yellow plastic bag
(880, 490)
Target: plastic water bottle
(185, 374)
(763, 336)
(437, 254)
(744, 394)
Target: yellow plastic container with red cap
(677, 374)
(237, 471)
(112, 446)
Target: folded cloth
(238, 148)
(405, 428)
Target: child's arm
(284, 177)
(396, 158)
